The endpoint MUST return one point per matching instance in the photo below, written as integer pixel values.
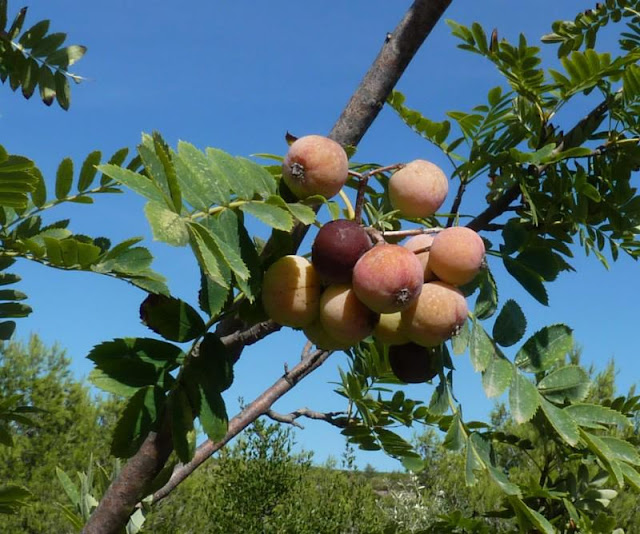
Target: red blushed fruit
(388, 278)
(436, 315)
(456, 255)
(315, 165)
(418, 189)
(412, 363)
(344, 317)
(336, 249)
(417, 243)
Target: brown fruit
(317, 334)
(315, 165)
(389, 329)
(388, 278)
(436, 315)
(336, 249)
(418, 189)
(412, 363)
(420, 242)
(291, 292)
(343, 316)
(456, 255)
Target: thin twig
(258, 407)
(337, 419)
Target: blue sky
(237, 76)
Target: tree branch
(258, 407)
(365, 104)
(573, 138)
(338, 419)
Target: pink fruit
(456, 255)
(418, 189)
(317, 334)
(388, 278)
(343, 316)
(420, 242)
(436, 315)
(315, 165)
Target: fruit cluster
(357, 285)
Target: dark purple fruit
(412, 363)
(336, 249)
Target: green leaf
(202, 182)
(166, 225)
(7, 328)
(481, 348)
(305, 214)
(562, 422)
(64, 178)
(63, 91)
(269, 214)
(226, 242)
(531, 516)
(622, 450)
(487, 301)
(503, 481)
(181, 424)
(602, 451)
(497, 377)
(460, 341)
(211, 297)
(89, 170)
(542, 350)
(139, 417)
(163, 154)
(68, 486)
(134, 181)
(206, 252)
(455, 437)
(528, 279)
(510, 325)
(172, 318)
(39, 193)
(571, 383)
(135, 362)
(524, 398)
(631, 476)
(439, 403)
(47, 84)
(594, 415)
(67, 56)
(14, 309)
(263, 182)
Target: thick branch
(397, 52)
(258, 407)
(333, 418)
(364, 106)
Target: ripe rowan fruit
(418, 189)
(456, 255)
(291, 292)
(315, 165)
(336, 249)
(420, 242)
(389, 329)
(412, 363)
(343, 316)
(436, 315)
(388, 278)
(318, 335)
